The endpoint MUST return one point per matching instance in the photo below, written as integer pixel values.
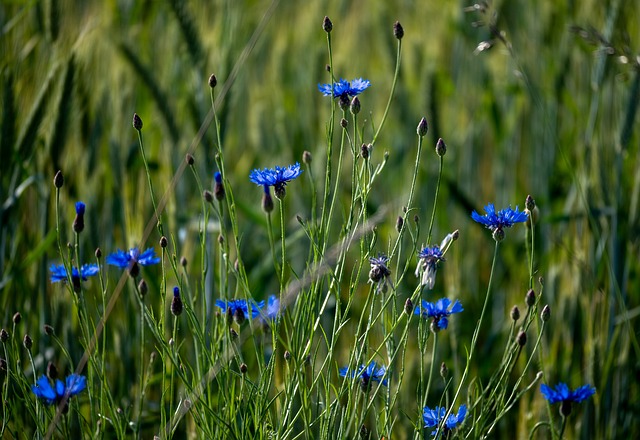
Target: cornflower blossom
(74, 384)
(272, 310)
(379, 273)
(367, 374)
(496, 222)
(344, 88)
(428, 259)
(433, 417)
(438, 312)
(133, 259)
(59, 274)
(565, 396)
(238, 309)
(276, 177)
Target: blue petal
(43, 390)
(75, 384)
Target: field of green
(531, 98)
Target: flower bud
(364, 151)
(267, 201)
(522, 338)
(213, 81)
(163, 242)
(344, 123)
(98, 253)
(399, 223)
(183, 261)
(408, 306)
(243, 368)
(27, 342)
(137, 122)
(4, 335)
(176, 303)
(530, 298)
(78, 222)
(49, 330)
(444, 371)
(498, 235)
(143, 288)
(208, 195)
(546, 313)
(355, 106)
(58, 180)
(327, 26)
(515, 313)
(364, 432)
(423, 127)
(17, 317)
(441, 148)
(306, 157)
(218, 188)
(287, 355)
(189, 159)
(398, 31)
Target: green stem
(435, 201)
(153, 197)
(393, 88)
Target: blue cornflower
(497, 221)
(367, 374)
(59, 273)
(238, 309)
(428, 259)
(80, 208)
(563, 394)
(438, 312)
(344, 88)
(276, 177)
(433, 417)
(78, 222)
(273, 308)
(73, 385)
(133, 259)
(218, 188)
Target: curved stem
(153, 197)
(435, 200)
(393, 88)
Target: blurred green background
(548, 110)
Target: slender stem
(433, 361)
(393, 88)
(153, 197)
(435, 201)
(282, 244)
(563, 426)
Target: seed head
(398, 31)
(137, 122)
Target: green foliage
(530, 97)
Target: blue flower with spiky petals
(438, 312)
(59, 273)
(73, 385)
(433, 417)
(497, 221)
(344, 88)
(276, 177)
(239, 308)
(562, 393)
(133, 259)
(271, 312)
(428, 259)
(367, 374)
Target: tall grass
(530, 98)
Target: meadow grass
(300, 310)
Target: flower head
(565, 396)
(433, 417)
(438, 312)
(271, 312)
(428, 259)
(367, 374)
(239, 308)
(379, 273)
(133, 259)
(59, 273)
(276, 177)
(497, 221)
(73, 385)
(344, 88)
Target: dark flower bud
(364, 151)
(163, 242)
(398, 31)
(522, 339)
(515, 313)
(423, 127)
(565, 408)
(78, 222)
(455, 235)
(408, 306)
(243, 368)
(364, 432)
(49, 330)
(4, 335)
(189, 159)
(52, 371)
(27, 342)
(546, 313)
(327, 68)
(137, 122)
(327, 26)
(287, 355)
(530, 298)
(213, 81)
(238, 316)
(208, 195)
(343, 103)
(98, 253)
(17, 317)
(441, 148)
(176, 303)
(355, 106)
(416, 219)
(306, 157)
(399, 223)
(444, 371)
(344, 123)
(58, 179)
(233, 333)
(143, 288)
(267, 201)
(529, 203)
(498, 235)
(299, 219)
(183, 261)
(218, 188)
